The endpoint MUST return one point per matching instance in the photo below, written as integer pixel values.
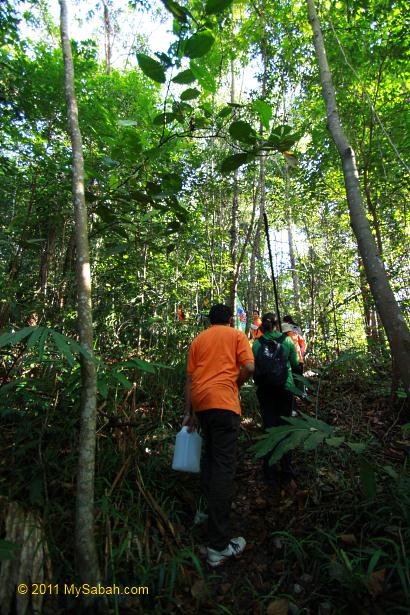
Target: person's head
(269, 322)
(255, 313)
(220, 314)
(288, 319)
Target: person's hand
(190, 422)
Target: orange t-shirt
(214, 361)
(256, 332)
(299, 343)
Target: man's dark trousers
(275, 402)
(220, 430)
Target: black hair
(257, 311)
(269, 320)
(220, 314)
(289, 320)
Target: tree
(393, 320)
(86, 552)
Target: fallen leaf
(198, 588)
(376, 581)
(225, 587)
(278, 607)
(260, 503)
(279, 565)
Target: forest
(159, 157)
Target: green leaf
(16, 337)
(185, 77)
(213, 7)
(164, 118)
(122, 379)
(314, 440)
(62, 346)
(335, 442)
(242, 131)
(204, 77)
(368, 479)
(225, 111)
(151, 68)
(390, 471)
(144, 366)
(102, 388)
(231, 163)
(264, 111)
(199, 44)
(41, 343)
(8, 549)
(34, 337)
(357, 447)
(190, 94)
(178, 11)
(318, 424)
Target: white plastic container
(187, 453)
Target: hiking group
(220, 361)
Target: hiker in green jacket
(275, 355)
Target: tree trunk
(393, 320)
(86, 553)
(107, 38)
(234, 218)
(295, 279)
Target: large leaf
(231, 163)
(151, 68)
(199, 44)
(190, 94)
(314, 439)
(185, 77)
(264, 111)
(17, 336)
(62, 346)
(164, 118)
(204, 77)
(242, 131)
(178, 11)
(213, 7)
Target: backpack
(271, 364)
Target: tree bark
(295, 279)
(393, 320)
(86, 552)
(234, 218)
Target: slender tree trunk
(108, 38)
(295, 279)
(86, 553)
(234, 218)
(393, 320)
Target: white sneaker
(235, 548)
(200, 517)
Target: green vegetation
(184, 150)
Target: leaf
(357, 447)
(335, 442)
(314, 440)
(278, 607)
(144, 366)
(264, 111)
(231, 163)
(390, 471)
(242, 131)
(34, 337)
(151, 68)
(376, 581)
(199, 44)
(190, 94)
(16, 337)
(213, 7)
(122, 379)
(184, 77)
(62, 346)
(41, 343)
(164, 118)
(178, 11)
(204, 77)
(102, 388)
(225, 111)
(368, 479)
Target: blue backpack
(271, 364)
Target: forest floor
(323, 550)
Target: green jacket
(290, 353)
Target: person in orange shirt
(255, 326)
(294, 332)
(220, 360)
